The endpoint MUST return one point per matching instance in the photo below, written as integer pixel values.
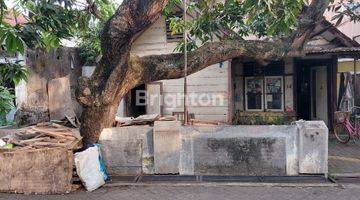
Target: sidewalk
(344, 158)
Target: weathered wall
(40, 171)
(166, 147)
(217, 150)
(44, 67)
(128, 150)
(239, 150)
(210, 86)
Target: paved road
(344, 158)
(202, 192)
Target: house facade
(243, 91)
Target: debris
(46, 135)
(123, 120)
(33, 152)
(167, 118)
(204, 122)
(141, 120)
(72, 122)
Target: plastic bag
(90, 168)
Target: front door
(313, 89)
(319, 96)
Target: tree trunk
(94, 119)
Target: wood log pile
(45, 135)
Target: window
(169, 36)
(254, 93)
(264, 86)
(274, 93)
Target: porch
(288, 90)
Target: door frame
(313, 92)
(331, 69)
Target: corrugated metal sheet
(339, 50)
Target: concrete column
(166, 147)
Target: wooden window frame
(282, 94)
(246, 94)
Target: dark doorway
(136, 107)
(314, 90)
(303, 91)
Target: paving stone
(201, 193)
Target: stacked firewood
(46, 135)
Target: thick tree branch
(170, 66)
(93, 9)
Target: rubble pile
(42, 135)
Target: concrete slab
(127, 150)
(240, 156)
(166, 147)
(186, 165)
(313, 147)
(60, 103)
(239, 150)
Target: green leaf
(10, 42)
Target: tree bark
(101, 93)
(119, 71)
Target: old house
(236, 91)
(243, 91)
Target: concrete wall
(32, 96)
(239, 150)
(128, 150)
(218, 150)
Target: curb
(345, 175)
(214, 184)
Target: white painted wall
(205, 84)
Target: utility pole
(354, 80)
(185, 66)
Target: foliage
(47, 22)
(350, 9)
(13, 72)
(6, 99)
(90, 45)
(241, 18)
(264, 18)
